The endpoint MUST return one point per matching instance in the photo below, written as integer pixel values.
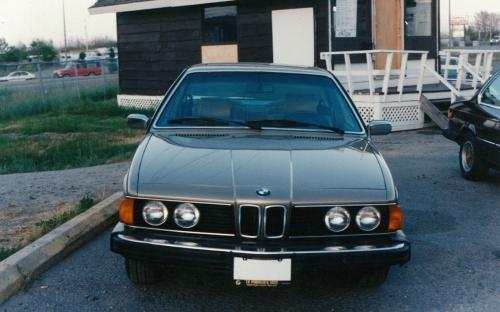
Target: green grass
(77, 134)
(15, 104)
(7, 252)
(50, 224)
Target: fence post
(387, 74)
(103, 74)
(477, 68)
(41, 85)
(77, 82)
(347, 61)
(402, 75)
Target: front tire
(471, 165)
(142, 273)
(373, 278)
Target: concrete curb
(18, 269)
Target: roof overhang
(149, 5)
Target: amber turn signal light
(395, 218)
(126, 212)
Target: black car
(475, 125)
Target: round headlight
(337, 219)
(368, 218)
(186, 215)
(155, 213)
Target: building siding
(155, 46)
(255, 42)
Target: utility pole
(86, 36)
(450, 33)
(65, 37)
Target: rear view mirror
(379, 127)
(137, 121)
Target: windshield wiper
(202, 121)
(258, 124)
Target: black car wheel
(142, 273)
(471, 165)
(373, 277)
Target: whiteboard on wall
(346, 17)
(293, 36)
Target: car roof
(258, 67)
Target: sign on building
(346, 18)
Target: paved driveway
(452, 223)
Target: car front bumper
(218, 253)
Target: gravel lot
(452, 224)
(27, 198)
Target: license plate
(262, 270)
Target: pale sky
(25, 20)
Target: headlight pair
(338, 219)
(186, 215)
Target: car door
(23, 76)
(15, 76)
(488, 126)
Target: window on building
(418, 18)
(220, 25)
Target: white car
(17, 76)
(495, 40)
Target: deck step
(434, 113)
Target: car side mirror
(137, 121)
(379, 127)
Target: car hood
(230, 168)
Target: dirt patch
(28, 198)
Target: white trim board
(149, 5)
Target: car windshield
(491, 94)
(257, 100)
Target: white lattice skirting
(139, 101)
(403, 115)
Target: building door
(293, 36)
(388, 29)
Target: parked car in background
(475, 125)
(18, 76)
(495, 40)
(85, 68)
(452, 73)
(261, 170)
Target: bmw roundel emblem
(263, 192)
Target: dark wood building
(157, 39)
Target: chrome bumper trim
(335, 249)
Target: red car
(83, 69)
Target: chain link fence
(34, 86)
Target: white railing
(458, 60)
(393, 91)
(405, 76)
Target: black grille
(213, 218)
(249, 221)
(275, 221)
(310, 221)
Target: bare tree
(495, 23)
(3, 46)
(482, 22)
(487, 23)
